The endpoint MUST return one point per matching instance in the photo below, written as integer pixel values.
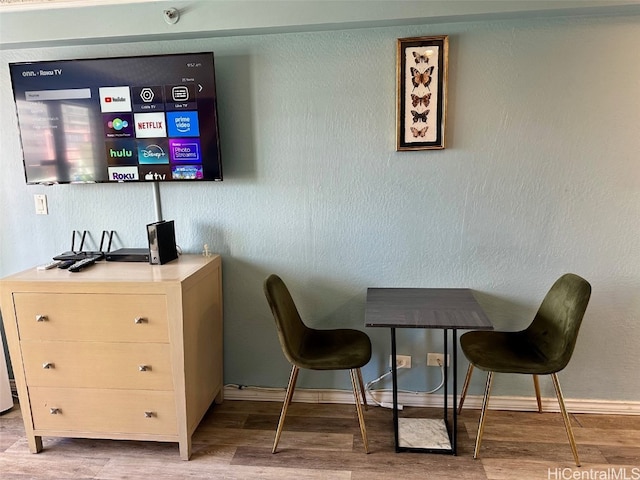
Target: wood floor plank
(607, 436)
(44, 466)
(498, 469)
(556, 453)
(246, 407)
(8, 439)
(616, 455)
(203, 467)
(317, 424)
(323, 442)
(624, 422)
(11, 420)
(261, 438)
(96, 448)
(383, 465)
(552, 434)
(295, 409)
(518, 418)
(224, 420)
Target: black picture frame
(421, 70)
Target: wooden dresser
(118, 350)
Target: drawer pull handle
(55, 411)
(144, 368)
(149, 414)
(48, 365)
(139, 320)
(41, 318)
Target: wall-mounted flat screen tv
(124, 119)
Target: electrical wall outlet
(436, 359)
(402, 361)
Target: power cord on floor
(237, 386)
(371, 392)
(367, 388)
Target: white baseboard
(524, 404)
(574, 405)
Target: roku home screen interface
(118, 119)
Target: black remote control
(80, 264)
(66, 263)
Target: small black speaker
(162, 242)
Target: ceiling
(38, 23)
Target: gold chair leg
(362, 390)
(363, 430)
(536, 385)
(287, 401)
(565, 417)
(485, 402)
(465, 387)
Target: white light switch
(41, 204)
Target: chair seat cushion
(505, 352)
(337, 349)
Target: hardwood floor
(323, 442)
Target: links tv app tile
(147, 99)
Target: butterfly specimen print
(423, 100)
(420, 57)
(421, 87)
(419, 132)
(419, 117)
(421, 78)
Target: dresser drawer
(92, 317)
(141, 366)
(103, 411)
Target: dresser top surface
(102, 271)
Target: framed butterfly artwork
(421, 71)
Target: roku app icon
(123, 174)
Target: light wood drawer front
(141, 366)
(100, 410)
(92, 317)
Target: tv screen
(125, 119)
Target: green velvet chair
(313, 349)
(543, 348)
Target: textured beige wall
(540, 177)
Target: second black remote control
(80, 264)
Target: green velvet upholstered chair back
(291, 329)
(554, 330)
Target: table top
(450, 308)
